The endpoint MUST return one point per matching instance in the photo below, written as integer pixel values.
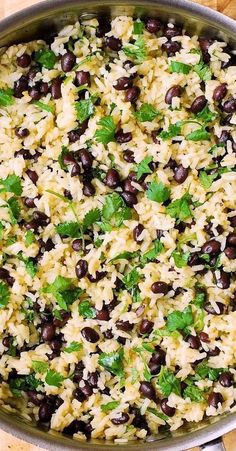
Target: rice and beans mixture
(118, 229)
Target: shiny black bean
(82, 78)
(139, 420)
(137, 232)
(93, 379)
(108, 334)
(81, 269)
(99, 276)
(6, 341)
(226, 379)
(166, 409)
(41, 218)
(170, 31)
(103, 28)
(88, 189)
(210, 309)
(154, 367)
(74, 427)
(146, 326)
(174, 91)
(129, 198)
(214, 399)
(180, 174)
(4, 273)
(78, 395)
(75, 170)
(112, 179)
(86, 390)
(23, 60)
(211, 247)
(56, 344)
(126, 326)
(132, 94)
(20, 86)
(230, 252)
(21, 132)
(159, 356)
(33, 397)
(122, 137)
(194, 259)
(122, 419)
(77, 245)
(86, 159)
(47, 332)
(160, 287)
(103, 314)
(128, 156)
(44, 88)
(147, 390)
(232, 221)
(74, 135)
(128, 65)
(224, 137)
(223, 280)
(153, 25)
(56, 88)
(113, 43)
(45, 412)
(34, 93)
(229, 106)
(128, 186)
(90, 334)
(198, 104)
(123, 83)
(64, 318)
(48, 245)
(171, 47)
(32, 175)
(231, 239)
(68, 61)
(220, 92)
(25, 153)
(194, 342)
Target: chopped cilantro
(113, 362)
(203, 71)
(198, 323)
(63, 291)
(4, 294)
(168, 382)
(46, 58)
(131, 279)
(114, 212)
(90, 218)
(180, 258)
(44, 106)
(39, 366)
(74, 346)
(30, 265)
(86, 310)
(23, 383)
(29, 238)
(6, 97)
(143, 167)
(54, 378)
(138, 27)
(203, 371)
(178, 320)
(70, 229)
(173, 130)
(180, 208)
(158, 192)
(206, 180)
(201, 134)
(84, 109)
(206, 115)
(109, 406)
(1, 229)
(180, 68)
(199, 299)
(146, 112)
(152, 253)
(11, 184)
(126, 255)
(136, 51)
(106, 133)
(194, 393)
(64, 152)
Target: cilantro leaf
(109, 406)
(46, 58)
(203, 71)
(112, 362)
(158, 192)
(29, 238)
(23, 383)
(70, 229)
(54, 378)
(74, 346)
(11, 184)
(206, 180)
(152, 253)
(64, 152)
(30, 265)
(126, 255)
(173, 130)
(1, 230)
(206, 115)
(131, 279)
(44, 106)
(143, 167)
(114, 211)
(91, 217)
(158, 414)
(146, 112)
(180, 258)
(14, 209)
(86, 310)
(199, 299)
(84, 109)
(206, 372)
(136, 51)
(4, 294)
(201, 134)
(194, 393)
(180, 68)
(180, 208)
(6, 97)
(63, 291)
(138, 27)
(178, 320)
(168, 382)
(39, 366)
(198, 323)
(106, 133)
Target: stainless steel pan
(41, 21)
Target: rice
(117, 223)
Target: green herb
(98, 174)
(206, 115)
(97, 243)
(1, 230)
(109, 406)
(39, 366)
(6, 97)
(146, 112)
(126, 255)
(112, 362)
(215, 147)
(206, 372)
(131, 279)
(46, 58)
(74, 346)
(143, 167)
(173, 130)
(90, 218)
(180, 208)
(30, 265)
(180, 320)
(194, 393)
(180, 68)
(203, 71)
(198, 324)
(54, 378)
(158, 414)
(29, 238)
(12, 348)
(134, 375)
(11, 184)
(158, 192)
(186, 239)
(64, 152)
(11, 240)
(152, 253)
(148, 347)
(206, 180)
(44, 106)
(4, 294)
(106, 133)
(70, 229)
(199, 299)
(180, 258)
(114, 212)
(138, 27)
(201, 134)
(57, 314)
(86, 310)
(168, 382)
(84, 109)
(136, 51)
(23, 383)
(63, 291)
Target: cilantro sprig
(106, 133)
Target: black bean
(48, 245)
(205, 44)
(160, 287)
(198, 104)
(123, 83)
(194, 342)
(172, 31)
(103, 28)
(128, 186)
(93, 379)
(34, 93)
(174, 91)
(56, 344)
(220, 92)
(33, 397)
(41, 217)
(75, 170)
(226, 379)
(82, 78)
(88, 189)
(112, 178)
(180, 174)
(32, 73)
(103, 314)
(68, 61)
(86, 390)
(32, 225)
(4, 273)
(129, 198)
(113, 43)
(128, 156)
(77, 245)
(194, 259)
(153, 25)
(32, 175)
(231, 239)
(204, 337)
(214, 399)
(232, 221)
(56, 88)
(128, 64)
(22, 132)
(64, 318)
(229, 106)
(47, 332)
(20, 86)
(78, 395)
(74, 135)
(74, 427)
(126, 326)
(81, 269)
(108, 334)
(122, 419)
(213, 352)
(132, 94)
(137, 232)
(171, 47)
(159, 356)
(99, 276)
(25, 153)
(7, 341)
(86, 159)
(90, 334)
(154, 367)
(230, 252)
(44, 88)
(122, 137)
(146, 326)
(45, 412)
(223, 280)
(24, 60)
(211, 247)
(210, 309)
(166, 409)
(147, 390)
(139, 420)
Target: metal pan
(41, 21)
